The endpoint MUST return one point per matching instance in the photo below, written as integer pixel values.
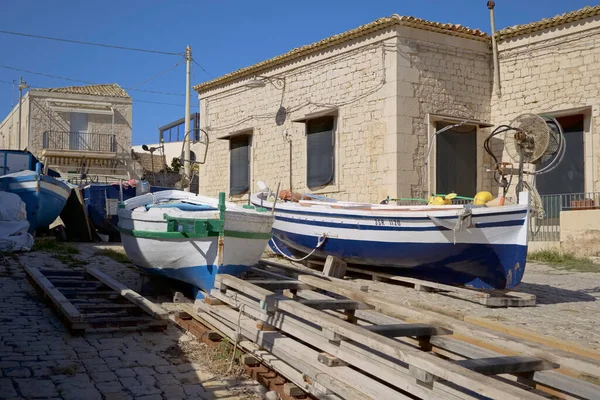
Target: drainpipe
(490, 5)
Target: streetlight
(259, 81)
(151, 150)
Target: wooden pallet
(343, 340)
(488, 299)
(89, 301)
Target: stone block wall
(44, 119)
(554, 71)
(384, 86)
(352, 78)
(448, 76)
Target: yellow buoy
(482, 197)
(448, 198)
(439, 201)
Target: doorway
(78, 131)
(456, 160)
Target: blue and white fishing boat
(476, 246)
(101, 200)
(43, 195)
(192, 238)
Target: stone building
(74, 129)
(352, 116)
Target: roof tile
(546, 23)
(106, 90)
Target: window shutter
(320, 151)
(239, 169)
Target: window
(239, 164)
(456, 160)
(175, 131)
(320, 151)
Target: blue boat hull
(95, 197)
(44, 196)
(481, 266)
(199, 277)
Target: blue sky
(224, 35)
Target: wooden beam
(427, 362)
(334, 267)
(506, 365)
(56, 297)
(398, 330)
(335, 304)
(277, 284)
(489, 339)
(385, 368)
(137, 299)
(344, 381)
(330, 360)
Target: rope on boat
(237, 335)
(319, 244)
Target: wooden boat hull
(44, 196)
(194, 258)
(490, 254)
(101, 205)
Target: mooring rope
(319, 244)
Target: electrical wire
(91, 43)
(157, 75)
(10, 83)
(202, 68)
(161, 103)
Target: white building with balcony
(74, 130)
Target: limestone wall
(555, 71)
(384, 86)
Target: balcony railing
(80, 141)
(547, 228)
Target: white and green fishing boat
(192, 238)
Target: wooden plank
(496, 341)
(397, 330)
(526, 334)
(427, 362)
(335, 304)
(563, 383)
(295, 271)
(269, 359)
(344, 381)
(135, 298)
(276, 284)
(79, 283)
(109, 306)
(385, 368)
(334, 267)
(506, 365)
(330, 360)
(51, 273)
(57, 298)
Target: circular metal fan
(533, 139)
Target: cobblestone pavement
(39, 359)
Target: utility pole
(187, 167)
(22, 85)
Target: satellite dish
(262, 186)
